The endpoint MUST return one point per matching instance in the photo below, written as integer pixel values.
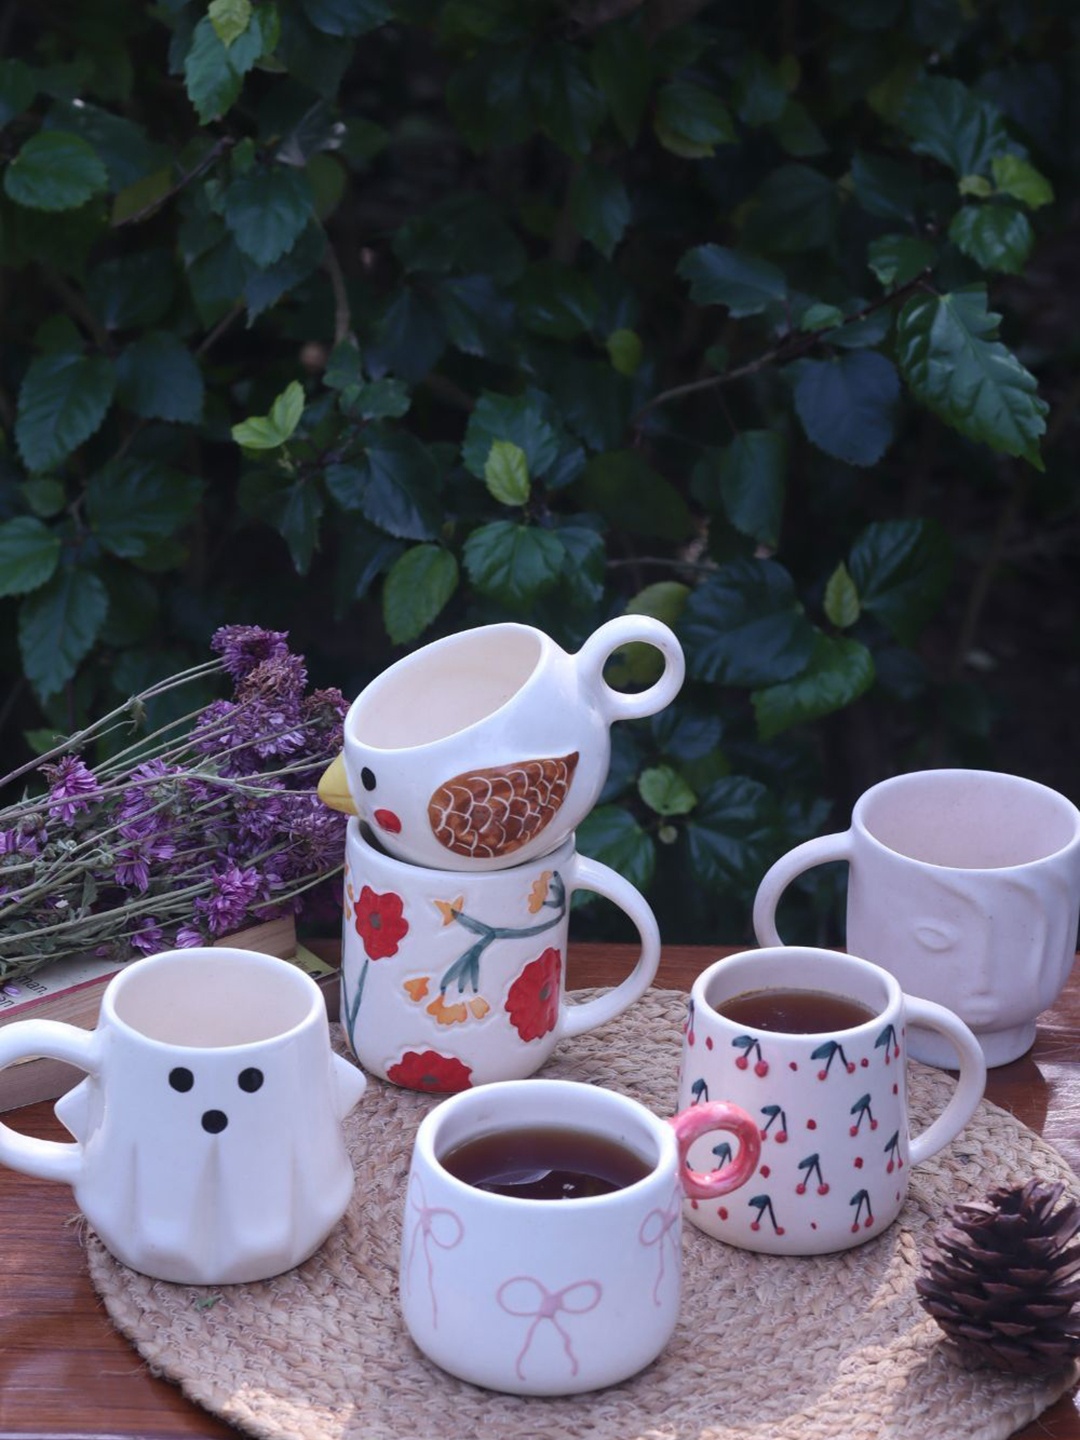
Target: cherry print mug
(488, 747)
(554, 1296)
(209, 1147)
(451, 980)
(831, 1105)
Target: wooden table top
(67, 1374)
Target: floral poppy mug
(450, 980)
(488, 747)
(828, 1092)
(538, 1296)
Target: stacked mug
(467, 767)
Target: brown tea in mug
(795, 1012)
(545, 1162)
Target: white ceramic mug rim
(174, 959)
(411, 872)
(750, 962)
(376, 688)
(913, 778)
(572, 1094)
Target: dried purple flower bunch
(194, 831)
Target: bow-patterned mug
(541, 1244)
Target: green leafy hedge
(373, 319)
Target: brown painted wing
(486, 814)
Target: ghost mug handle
(52, 1040)
(819, 851)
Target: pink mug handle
(697, 1120)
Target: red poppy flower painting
(380, 923)
(431, 1072)
(533, 1001)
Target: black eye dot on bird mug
(367, 778)
(250, 1079)
(181, 1079)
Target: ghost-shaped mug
(209, 1146)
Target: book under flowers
(127, 842)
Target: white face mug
(965, 884)
(451, 980)
(209, 1144)
(488, 747)
(830, 1101)
(552, 1296)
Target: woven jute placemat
(767, 1348)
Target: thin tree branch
(212, 156)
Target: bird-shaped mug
(488, 747)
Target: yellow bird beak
(333, 788)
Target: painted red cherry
(800, 1189)
(765, 1172)
(851, 1067)
(781, 1137)
(864, 1062)
(708, 1042)
(793, 1065)
(811, 1124)
(780, 1229)
(873, 1124)
(741, 1063)
(722, 1212)
(823, 1189)
(755, 1224)
(858, 1162)
(387, 820)
(868, 1222)
(822, 1074)
(761, 1068)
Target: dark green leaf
(599, 206)
(133, 503)
(123, 146)
(582, 581)
(514, 564)
(746, 284)
(997, 237)
(63, 400)
(626, 351)
(385, 399)
(267, 211)
(396, 486)
(364, 553)
(18, 87)
(479, 319)
(623, 486)
(264, 288)
(557, 300)
(953, 364)
(761, 92)
(691, 121)
(950, 122)
(133, 291)
(622, 68)
(838, 673)
(416, 589)
(55, 171)
(566, 104)
(297, 518)
(745, 626)
(901, 569)
(752, 477)
(897, 259)
(884, 187)
(58, 626)
(841, 603)
(611, 835)
(847, 404)
(594, 401)
(213, 73)
(795, 209)
(527, 421)
(347, 17)
(29, 552)
(158, 378)
(466, 233)
(729, 833)
(411, 337)
(230, 18)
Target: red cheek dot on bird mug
(387, 820)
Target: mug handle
(627, 630)
(698, 1120)
(970, 1085)
(52, 1040)
(779, 876)
(586, 874)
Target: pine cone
(1005, 1279)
